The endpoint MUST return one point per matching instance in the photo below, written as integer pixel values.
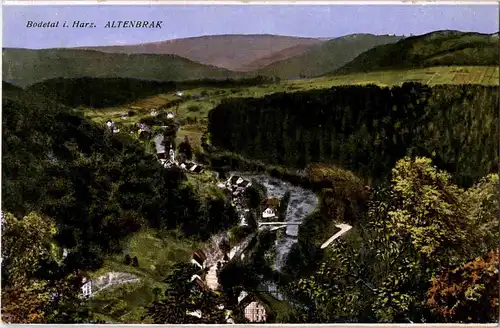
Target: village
(212, 258)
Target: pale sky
(181, 21)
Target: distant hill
(326, 56)
(25, 66)
(440, 48)
(234, 52)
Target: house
(243, 220)
(233, 180)
(245, 184)
(196, 313)
(198, 282)
(86, 287)
(112, 126)
(153, 113)
(199, 259)
(197, 169)
(268, 213)
(179, 93)
(160, 147)
(256, 312)
(170, 115)
(273, 203)
(242, 296)
(144, 130)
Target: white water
(302, 203)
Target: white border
(243, 2)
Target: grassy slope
(156, 253)
(486, 75)
(25, 66)
(326, 57)
(432, 49)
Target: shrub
(127, 260)
(194, 108)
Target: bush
(131, 113)
(194, 108)
(135, 262)
(127, 260)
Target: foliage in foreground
(411, 260)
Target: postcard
(250, 163)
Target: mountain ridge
(437, 48)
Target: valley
(252, 178)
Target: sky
(181, 21)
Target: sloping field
(486, 75)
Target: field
(155, 253)
(193, 111)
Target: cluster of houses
(254, 310)
(170, 160)
(236, 186)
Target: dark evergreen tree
(127, 260)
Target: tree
(186, 149)
(127, 260)
(183, 296)
(415, 226)
(29, 255)
(430, 210)
(26, 243)
(224, 246)
(173, 308)
(483, 203)
(135, 262)
(468, 293)
(255, 195)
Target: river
(302, 203)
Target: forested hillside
(28, 66)
(105, 92)
(91, 189)
(440, 48)
(326, 57)
(366, 128)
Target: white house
(243, 221)
(256, 312)
(154, 113)
(195, 276)
(196, 313)
(160, 148)
(196, 263)
(170, 115)
(242, 296)
(268, 213)
(179, 93)
(87, 287)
